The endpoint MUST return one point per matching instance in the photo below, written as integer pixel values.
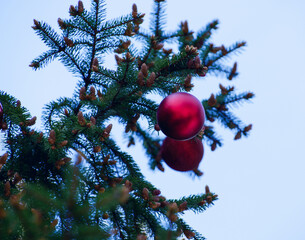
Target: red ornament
(180, 116)
(182, 155)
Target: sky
(260, 179)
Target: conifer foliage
(103, 194)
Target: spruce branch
(217, 108)
(73, 27)
(93, 51)
(104, 75)
(44, 59)
(157, 21)
(125, 158)
(47, 35)
(196, 203)
(223, 53)
(118, 27)
(188, 231)
(218, 69)
(205, 34)
(171, 36)
(53, 41)
(237, 99)
(176, 64)
(150, 144)
(212, 138)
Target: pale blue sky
(260, 180)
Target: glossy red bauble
(180, 116)
(182, 155)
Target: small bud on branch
(95, 65)
(72, 11)
(3, 158)
(238, 135)
(248, 128)
(36, 25)
(144, 70)
(69, 42)
(150, 81)
(80, 7)
(81, 119)
(82, 93)
(61, 24)
(212, 100)
(145, 193)
(52, 137)
(134, 11)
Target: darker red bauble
(180, 116)
(182, 155)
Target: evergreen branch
(47, 35)
(157, 20)
(150, 105)
(144, 214)
(44, 59)
(109, 74)
(84, 16)
(67, 59)
(55, 108)
(176, 63)
(142, 35)
(88, 77)
(14, 114)
(52, 40)
(151, 145)
(227, 119)
(203, 53)
(229, 72)
(204, 34)
(91, 157)
(113, 37)
(126, 159)
(182, 225)
(92, 81)
(115, 99)
(123, 79)
(157, 31)
(74, 27)
(217, 69)
(216, 108)
(108, 47)
(226, 97)
(171, 36)
(117, 25)
(224, 53)
(147, 54)
(211, 137)
(118, 222)
(80, 42)
(233, 100)
(197, 203)
(99, 11)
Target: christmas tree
(101, 194)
